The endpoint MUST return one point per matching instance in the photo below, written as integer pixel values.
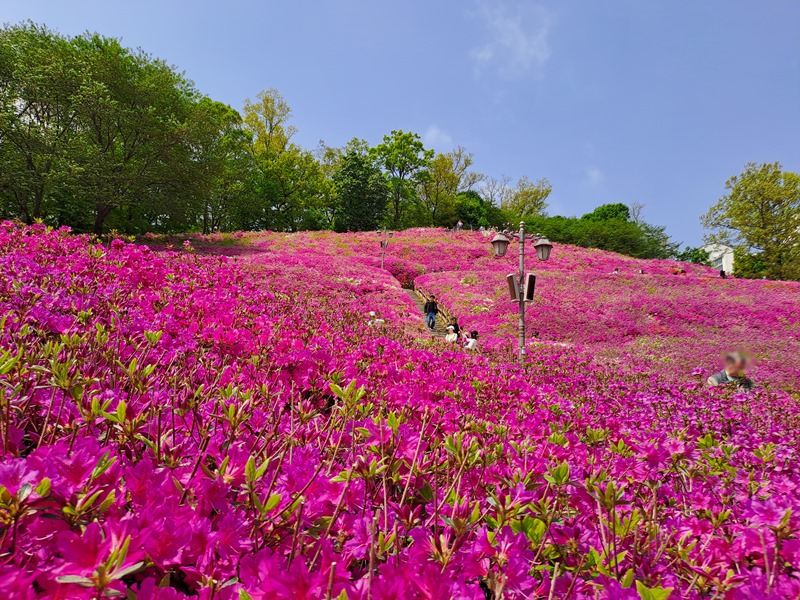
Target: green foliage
(760, 213)
(94, 133)
(96, 136)
(437, 192)
(656, 593)
(528, 198)
(609, 212)
(362, 193)
(475, 211)
(748, 265)
(448, 177)
(404, 158)
(625, 237)
(697, 256)
(290, 189)
(40, 77)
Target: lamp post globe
(500, 244)
(543, 248)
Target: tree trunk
(101, 212)
(398, 199)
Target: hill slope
(179, 425)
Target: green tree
(268, 120)
(362, 193)
(40, 78)
(609, 212)
(461, 162)
(223, 150)
(94, 134)
(748, 265)
(448, 175)
(292, 187)
(657, 243)
(437, 192)
(404, 158)
(474, 210)
(528, 198)
(760, 212)
(137, 144)
(638, 240)
(330, 161)
(697, 256)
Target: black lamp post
(521, 290)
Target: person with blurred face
(733, 373)
(431, 309)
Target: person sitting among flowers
(453, 331)
(472, 340)
(733, 373)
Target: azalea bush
(209, 418)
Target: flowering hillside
(181, 423)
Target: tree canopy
(362, 193)
(609, 212)
(760, 214)
(89, 128)
(406, 161)
(97, 136)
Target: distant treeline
(98, 136)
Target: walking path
(441, 326)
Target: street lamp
(521, 290)
(500, 244)
(384, 235)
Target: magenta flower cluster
(181, 423)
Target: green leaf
(103, 465)
(82, 581)
(128, 570)
(24, 491)
(121, 411)
(426, 492)
(123, 552)
(250, 469)
(87, 502)
(272, 502)
(343, 476)
(229, 583)
(656, 593)
(627, 579)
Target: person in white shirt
(472, 341)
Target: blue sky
(617, 101)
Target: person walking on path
(431, 309)
(733, 373)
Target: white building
(720, 257)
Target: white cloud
(438, 139)
(517, 42)
(595, 176)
